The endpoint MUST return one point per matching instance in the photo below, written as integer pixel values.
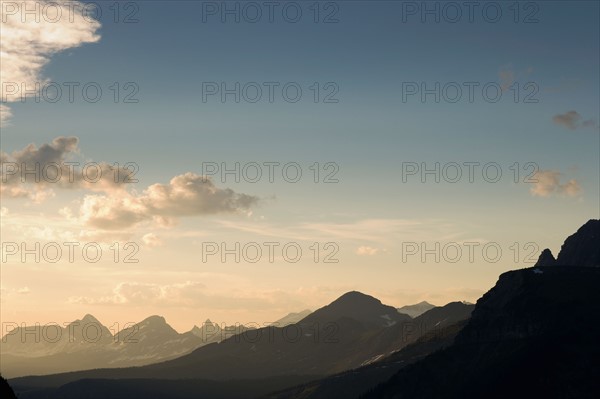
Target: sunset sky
(368, 214)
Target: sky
(408, 150)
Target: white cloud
(151, 240)
(23, 291)
(5, 115)
(194, 294)
(28, 41)
(547, 183)
(185, 195)
(366, 250)
(374, 232)
(147, 294)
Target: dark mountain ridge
(534, 334)
(579, 249)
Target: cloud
(24, 226)
(189, 194)
(366, 250)
(590, 123)
(507, 76)
(28, 41)
(151, 240)
(117, 207)
(5, 115)
(572, 120)
(569, 120)
(24, 291)
(146, 294)
(373, 231)
(33, 171)
(547, 183)
(194, 294)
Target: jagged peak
(86, 319)
(583, 247)
(546, 259)
(89, 319)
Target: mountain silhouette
(87, 344)
(580, 249)
(353, 331)
(352, 383)
(534, 334)
(546, 259)
(291, 318)
(360, 307)
(524, 339)
(583, 247)
(211, 332)
(5, 390)
(416, 309)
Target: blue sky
(368, 133)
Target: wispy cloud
(573, 120)
(507, 75)
(365, 250)
(371, 232)
(196, 294)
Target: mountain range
(87, 344)
(524, 339)
(353, 331)
(534, 334)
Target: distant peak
(358, 306)
(355, 296)
(88, 318)
(424, 303)
(154, 320)
(416, 309)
